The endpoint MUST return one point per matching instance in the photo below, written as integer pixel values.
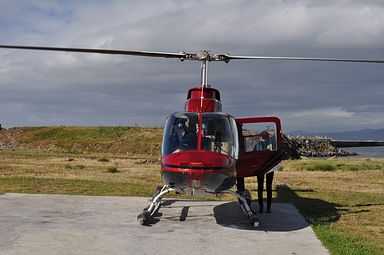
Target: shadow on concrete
(314, 210)
(182, 205)
(289, 212)
(285, 215)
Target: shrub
(112, 170)
(322, 166)
(103, 159)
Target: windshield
(218, 133)
(180, 133)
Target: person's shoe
(261, 209)
(269, 210)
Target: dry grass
(81, 168)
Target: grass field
(342, 198)
(344, 205)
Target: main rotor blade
(229, 57)
(204, 56)
(101, 51)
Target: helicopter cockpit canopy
(215, 132)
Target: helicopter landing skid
(245, 201)
(149, 211)
(243, 197)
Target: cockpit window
(218, 133)
(180, 133)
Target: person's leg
(240, 184)
(260, 188)
(269, 190)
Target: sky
(56, 88)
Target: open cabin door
(260, 145)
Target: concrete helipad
(58, 224)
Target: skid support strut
(155, 204)
(244, 201)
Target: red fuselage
(202, 146)
(193, 155)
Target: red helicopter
(204, 150)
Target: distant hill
(363, 134)
(125, 140)
(119, 140)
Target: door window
(259, 136)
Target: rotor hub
(205, 56)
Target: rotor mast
(204, 58)
(204, 73)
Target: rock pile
(310, 147)
(6, 139)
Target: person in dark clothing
(240, 184)
(260, 189)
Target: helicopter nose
(210, 171)
(197, 160)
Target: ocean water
(367, 152)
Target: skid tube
(149, 211)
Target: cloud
(51, 88)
